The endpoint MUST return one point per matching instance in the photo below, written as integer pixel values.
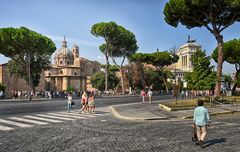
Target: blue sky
(74, 19)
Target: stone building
(15, 83)
(70, 70)
(184, 63)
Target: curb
(173, 109)
(215, 114)
(117, 115)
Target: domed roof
(64, 52)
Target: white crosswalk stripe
(42, 119)
(54, 117)
(77, 114)
(68, 116)
(15, 123)
(28, 120)
(4, 128)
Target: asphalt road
(24, 107)
(21, 131)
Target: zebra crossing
(12, 123)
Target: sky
(74, 19)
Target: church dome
(64, 56)
(64, 53)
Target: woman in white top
(69, 101)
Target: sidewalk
(145, 111)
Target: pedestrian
(1, 94)
(84, 102)
(69, 101)
(143, 95)
(91, 105)
(150, 93)
(201, 120)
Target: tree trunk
(235, 83)
(219, 39)
(122, 81)
(141, 74)
(106, 72)
(164, 81)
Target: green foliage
(119, 43)
(154, 79)
(232, 56)
(197, 13)
(214, 15)
(98, 80)
(2, 87)
(231, 52)
(202, 77)
(16, 43)
(70, 89)
(161, 59)
(112, 68)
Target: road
(26, 107)
(50, 128)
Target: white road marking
(54, 117)
(15, 123)
(77, 114)
(42, 119)
(28, 120)
(68, 116)
(5, 128)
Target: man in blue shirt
(201, 120)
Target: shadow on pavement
(214, 141)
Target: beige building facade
(70, 70)
(184, 63)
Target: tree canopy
(98, 80)
(215, 16)
(21, 43)
(119, 43)
(232, 56)
(161, 60)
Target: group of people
(145, 95)
(87, 102)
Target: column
(65, 83)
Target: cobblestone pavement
(109, 134)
